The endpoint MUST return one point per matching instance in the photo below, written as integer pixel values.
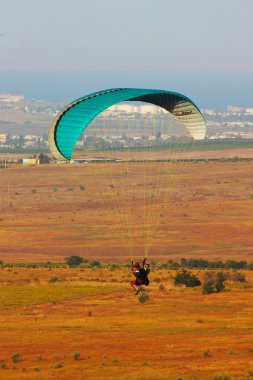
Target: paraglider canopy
(70, 123)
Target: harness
(141, 275)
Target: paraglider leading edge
(72, 120)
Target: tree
(214, 282)
(220, 282)
(208, 287)
(74, 260)
(186, 278)
(44, 159)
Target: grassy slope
(119, 338)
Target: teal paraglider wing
(70, 122)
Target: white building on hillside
(11, 98)
(3, 137)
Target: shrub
(44, 159)
(74, 260)
(144, 297)
(95, 264)
(113, 267)
(219, 285)
(237, 277)
(58, 365)
(16, 357)
(54, 279)
(76, 355)
(208, 287)
(206, 353)
(81, 187)
(186, 278)
(1, 262)
(214, 282)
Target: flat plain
(201, 209)
(178, 333)
(49, 212)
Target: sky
(127, 43)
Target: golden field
(199, 210)
(178, 333)
(192, 210)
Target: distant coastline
(216, 90)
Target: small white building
(31, 161)
(11, 98)
(3, 138)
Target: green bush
(16, 357)
(58, 365)
(206, 353)
(186, 278)
(219, 285)
(74, 260)
(144, 297)
(76, 355)
(44, 159)
(208, 287)
(214, 282)
(54, 279)
(95, 264)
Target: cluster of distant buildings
(11, 98)
(232, 123)
(20, 141)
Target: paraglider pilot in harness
(141, 274)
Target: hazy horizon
(217, 90)
(62, 50)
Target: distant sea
(214, 90)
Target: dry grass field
(49, 212)
(178, 333)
